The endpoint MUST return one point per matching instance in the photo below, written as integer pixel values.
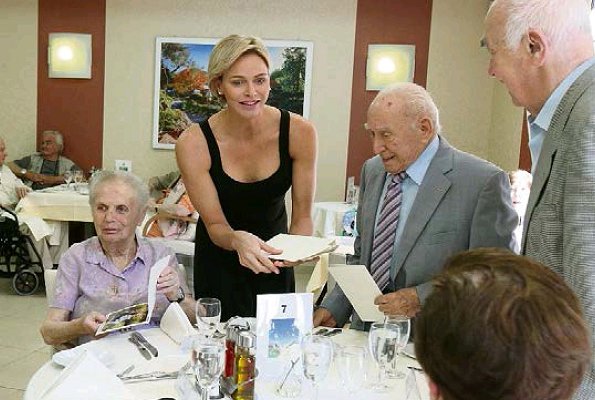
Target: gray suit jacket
(463, 202)
(560, 217)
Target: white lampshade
(388, 64)
(69, 55)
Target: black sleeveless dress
(256, 207)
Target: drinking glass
(404, 324)
(208, 315)
(208, 360)
(317, 354)
(67, 178)
(351, 363)
(382, 339)
(78, 178)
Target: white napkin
(175, 323)
(86, 378)
(299, 248)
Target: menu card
(300, 248)
(137, 314)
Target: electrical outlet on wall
(124, 165)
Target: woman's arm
(194, 162)
(303, 150)
(58, 328)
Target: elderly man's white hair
(415, 102)
(59, 138)
(559, 20)
(132, 181)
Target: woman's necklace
(121, 260)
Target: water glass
(208, 360)
(382, 340)
(317, 354)
(351, 363)
(68, 178)
(78, 178)
(208, 315)
(404, 324)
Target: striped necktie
(384, 234)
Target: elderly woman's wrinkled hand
(168, 283)
(253, 253)
(89, 323)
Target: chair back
(50, 284)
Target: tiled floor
(22, 350)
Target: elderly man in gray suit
(448, 201)
(543, 53)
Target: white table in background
(327, 217)
(170, 359)
(56, 206)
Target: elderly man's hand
(401, 302)
(168, 283)
(37, 178)
(22, 191)
(323, 317)
(88, 324)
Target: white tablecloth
(327, 218)
(170, 358)
(56, 206)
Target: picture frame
(181, 93)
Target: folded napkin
(87, 378)
(175, 323)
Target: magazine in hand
(137, 314)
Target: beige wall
(18, 75)
(129, 80)
(476, 112)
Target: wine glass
(67, 178)
(208, 360)
(404, 324)
(317, 353)
(208, 315)
(383, 339)
(352, 367)
(78, 178)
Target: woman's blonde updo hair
(226, 52)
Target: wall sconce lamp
(69, 55)
(388, 64)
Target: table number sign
(281, 322)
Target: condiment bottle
(245, 366)
(230, 351)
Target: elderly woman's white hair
(417, 102)
(132, 181)
(559, 20)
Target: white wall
(131, 30)
(18, 75)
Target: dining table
(121, 354)
(60, 203)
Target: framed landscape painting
(182, 93)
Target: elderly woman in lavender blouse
(110, 271)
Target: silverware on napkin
(141, 339)
(143, 350)
(150, 376)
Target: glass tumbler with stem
(317, 354)
(382, 340)
(404, 324)
(208, 315)
(67, 178)
(78, 178)
(208, 360)
(351, 363)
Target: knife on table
(143, 350)
(141, 339)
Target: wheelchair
(15, 260)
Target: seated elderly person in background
(175, 216)
(498, 326)
(12, 188)
(46, 168)
(520, 188)
(110, 271)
